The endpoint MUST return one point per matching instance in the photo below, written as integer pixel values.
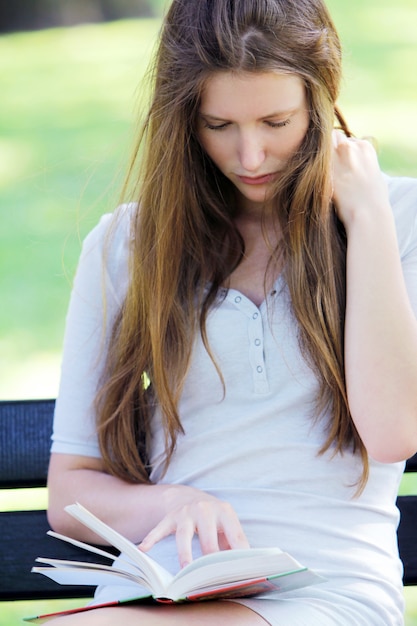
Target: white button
(259, 369)
(257, 342)
(255, 316)
(238, 299)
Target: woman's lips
(257, 180)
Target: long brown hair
(184, 233)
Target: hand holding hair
(359, 188)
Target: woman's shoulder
(111, 238)
(107, 247)
(402, 190)
(113, 230)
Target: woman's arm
(143, 513)
(381, 328)
(132, 509)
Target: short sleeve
(98, 292)
(403, 196)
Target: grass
(66, 116)
(66, 119)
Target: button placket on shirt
(256, 342)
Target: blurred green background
(67, 115)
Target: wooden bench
(25, 429)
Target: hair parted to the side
(184, 233)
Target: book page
(133, 575)
(157, 575)
(86, 576)
(81, 544)
(221, 568)
(217, 558)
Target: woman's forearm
(131, 509)
(143, 513)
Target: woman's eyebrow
(212, 117)
(265, 117)
(283, 113)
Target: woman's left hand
(358, 183)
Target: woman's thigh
(202, 614)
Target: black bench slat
(407, 537)
(411, 465)
(23, 539)
(25, 441)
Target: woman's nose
(251, 152)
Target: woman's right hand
(143, 513)
(193, 512)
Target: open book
(224, 574)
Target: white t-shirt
(256, 445)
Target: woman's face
(250, 125)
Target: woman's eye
(216, 126)
(278, 124)
(224, 125)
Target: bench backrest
(25, 440)
(25, 429)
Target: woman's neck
(254, 275)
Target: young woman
(240, 361)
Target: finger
(207, 529)
(233, 533)
(219, 528)
(184, 537)
(236, 540)
(161, 530)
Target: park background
(70, 77)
